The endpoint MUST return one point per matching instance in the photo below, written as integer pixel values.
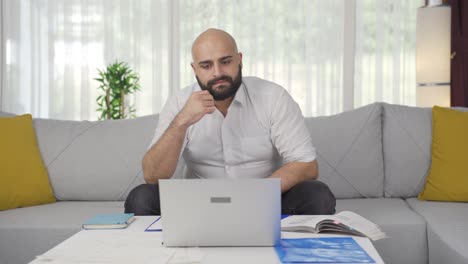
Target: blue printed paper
(322, 250)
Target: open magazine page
(361, 224)
(302, 222)
(342, 223)
(333, 226)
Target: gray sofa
(374, 158)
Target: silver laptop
(214, 212)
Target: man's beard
(226, 90)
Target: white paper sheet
(156, 226)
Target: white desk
(133, 245)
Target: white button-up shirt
(263, 129)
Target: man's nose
(217, 71)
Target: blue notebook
(322, 250)
(109, 221)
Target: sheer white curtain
(52, 49)
(385, 51)
(298, 44)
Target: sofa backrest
(373, 151)
(407, 136)
(5, 114)
(349, 151)
(101, 160)
(407, 139)
(98, 160)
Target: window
(330, 55)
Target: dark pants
(308, 197)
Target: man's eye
(205, 66)
(226, 62)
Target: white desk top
(133, 245)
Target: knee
(319, 197)
(141, 199)
(313, 188)
(142, 193)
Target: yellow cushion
(448, 176)
(23, 176)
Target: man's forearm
(295, 172)
(161, 159)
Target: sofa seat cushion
(406, 230)
(31, 231)
(446, 229)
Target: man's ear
(193, 67)
(240, 59)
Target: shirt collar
(240, 94)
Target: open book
(346, 222)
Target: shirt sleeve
(288, 131)
(168, 113)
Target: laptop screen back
(237, 212)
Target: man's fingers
(201, 93)
(207, 97)
(208, 103)
(210, 109)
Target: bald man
(227, 126)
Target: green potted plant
(116, 82)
